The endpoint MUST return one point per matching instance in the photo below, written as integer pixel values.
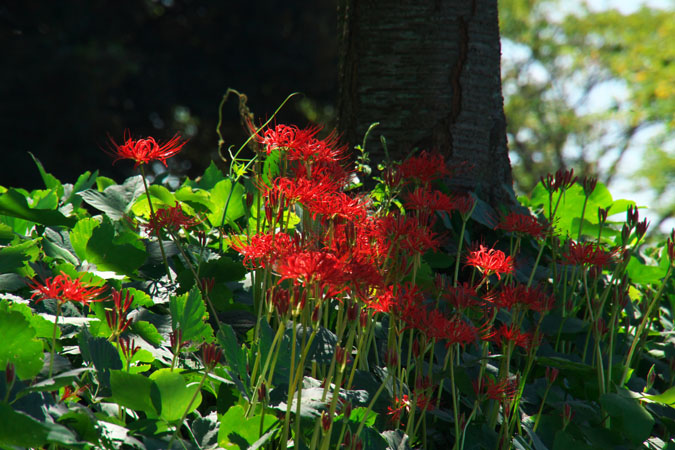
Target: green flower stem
(157, 231)
(541, 407)
(455, 403)
(583, 212)
(372, 403)
(53, 349)
(187, 410)
(273, 351)
(641, 327)
(459, 252)
(536, 264)
(295, 379)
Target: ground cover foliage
(278, 305)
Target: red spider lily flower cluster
(424, 168)
(171, 219)
(502, 391)
(490, 261)
(520, 295)
(562, 180)
(117, 317)
(523, 224)
(581, 253)
(63, 289)
(512, 334)
(143, 151)
(211, 355)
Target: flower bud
(551, 374)
(363, 318)
(567, 415)
(651, 378)
(325, 421)
(10, 374)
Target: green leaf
(43, 327)
(84, 182)
(235, 356)
(666, 398)
(161, 198)
(135, 391)
(123, 253)
(628, 416)
(80, 235)
(55, 246)
(641, 273)
(14, 257)
(188, 313)
(147, 331)
(271, 166)
(564, 441)
(115, 200)
(176, 397)
(238, 432)
(212, 176)
(18, 429)
(104, 182)
(102, 354)
(14, 204)
(19, 345)
(50, 180)
(220, 194)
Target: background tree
(429, 73)
(592, 90)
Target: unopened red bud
(632, 216)
(339, 355)
(551, 374)
(391, 358)
(325, 421)
(625, 234)
(262, 392)
(10, 374)
(602, 215)
(416, 348)
(568, 414)
(589, 184)
(316, 314)
(249, 199)
(347, 410)
(363, 318)
(347, 440)
(651, 378)
(641, 228)
(352, 312)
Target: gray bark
(429, 72)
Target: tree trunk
(429, 72)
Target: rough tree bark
(429, 72)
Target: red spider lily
(307, 267)
(462, 296)
(72, 394)
(551, 374)
(338, 204)
(502, 391)
(587, 253)
(117, 317)
(62, 288)
(424, 168)
(465, 204)
(505, 334)
(211, 355)
(563, 179)
(531, 297)
(429, 200)
(490, 261)
(264, 250)
(143, 151)
(406, 232)
(171, 219)
(522, 223)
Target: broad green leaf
(643, 274)
(666, 398)
(188, 313)
(19, 344)
(271, 166)
(84, 182)
(629, 416)
(232, 209)
(14, 204)
(51, 182)
(134, 391)
(13, 258)
(235, 356)
(19, 429)
(56, 246)
(212, 176)
(102, 354)
(43, 327)
(147, 331)
(177, 397)
(104, 182)
(123, 253)
(115, 200)
(563, 441)
(80, 235)
(161, 198)
(235, 428)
